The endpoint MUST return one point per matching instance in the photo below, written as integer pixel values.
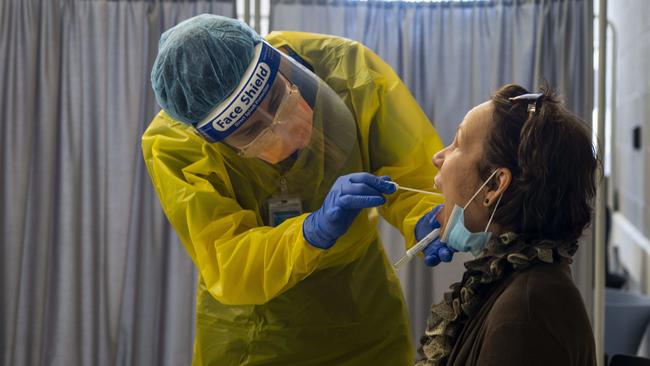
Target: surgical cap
(200, 62)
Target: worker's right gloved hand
(348, 196)
(436, 251)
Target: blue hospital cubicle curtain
(90, 271)
(452, 55)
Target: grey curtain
(91, 273)
(452, 55)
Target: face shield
(281, 125)
(280, 108)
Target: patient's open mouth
(436, 183)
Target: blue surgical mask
(457, 235)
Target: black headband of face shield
(534, 101)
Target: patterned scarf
(503, 255)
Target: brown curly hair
(552, 161)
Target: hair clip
(534, 101)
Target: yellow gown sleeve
(396, 137)
(240, 261)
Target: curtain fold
(91, 272)
(452, 55)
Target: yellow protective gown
(265, 295)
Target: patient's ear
(503, 177)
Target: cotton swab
(397, 186)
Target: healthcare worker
(258, 159)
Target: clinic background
(91, 271)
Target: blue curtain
(90, 271)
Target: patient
(523, 168)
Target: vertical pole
(247, 12)
(258, 16)
(599, 256)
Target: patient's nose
(439, 158)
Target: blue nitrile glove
(436, 251)
(349, 194)
(427, 223)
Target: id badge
(282, 208)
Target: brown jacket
(533, 317)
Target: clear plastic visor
(275, 109)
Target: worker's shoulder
(324, 52)
(312, 40)
(335, 59)
(174, 132)
(163, 124)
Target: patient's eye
(457, 138)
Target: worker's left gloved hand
(427, 223)
(436, 251)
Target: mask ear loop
(480, 188)
(493, 212)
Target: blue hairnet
(200, 62)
